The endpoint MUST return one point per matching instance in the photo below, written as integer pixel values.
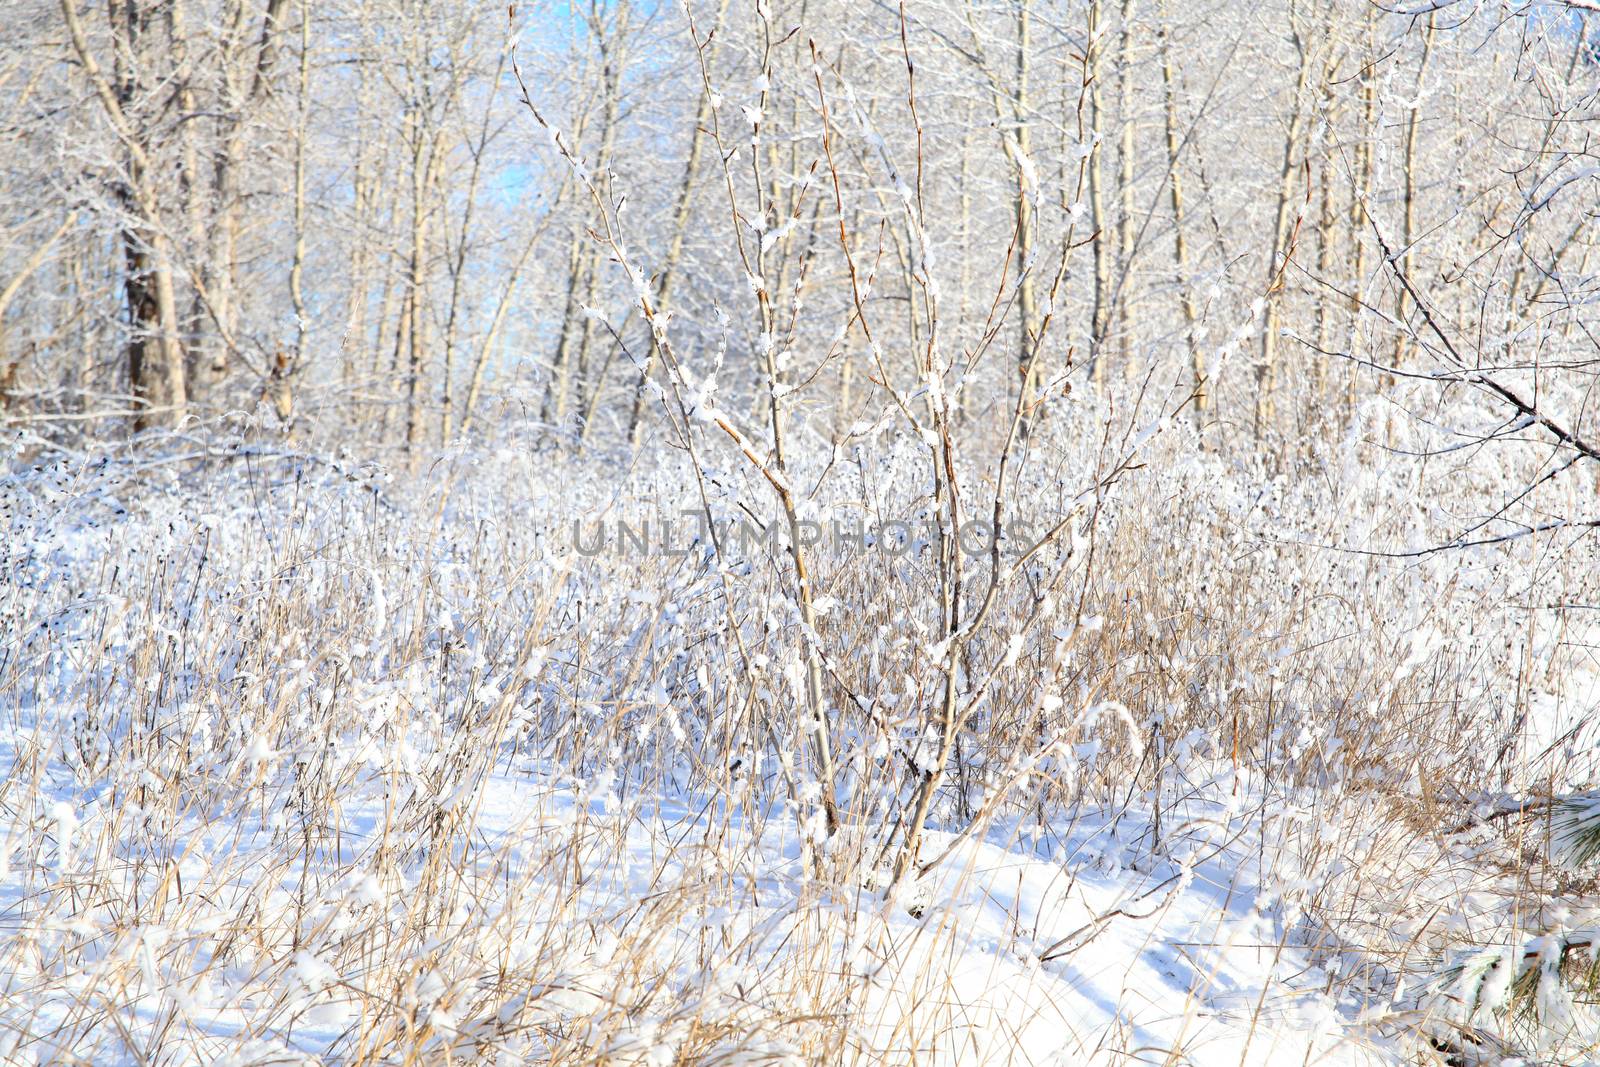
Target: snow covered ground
(1013, 951)
(308, 775)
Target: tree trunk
(1099, 323)
(416, 284)
(1362, 192)
(1027, 189)
(1180, 249)
(680, 230)
(1125, 176)
(1267, 369)
(1408, 218)
(154, 352)
(243, 89)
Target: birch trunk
(1267, 369)
(1180, 248)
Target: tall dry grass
(302, 763)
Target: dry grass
(296, 769)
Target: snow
(982, 960)
(430, 814)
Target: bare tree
(154, 353)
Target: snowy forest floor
(297, 766)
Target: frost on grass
(291, 777)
